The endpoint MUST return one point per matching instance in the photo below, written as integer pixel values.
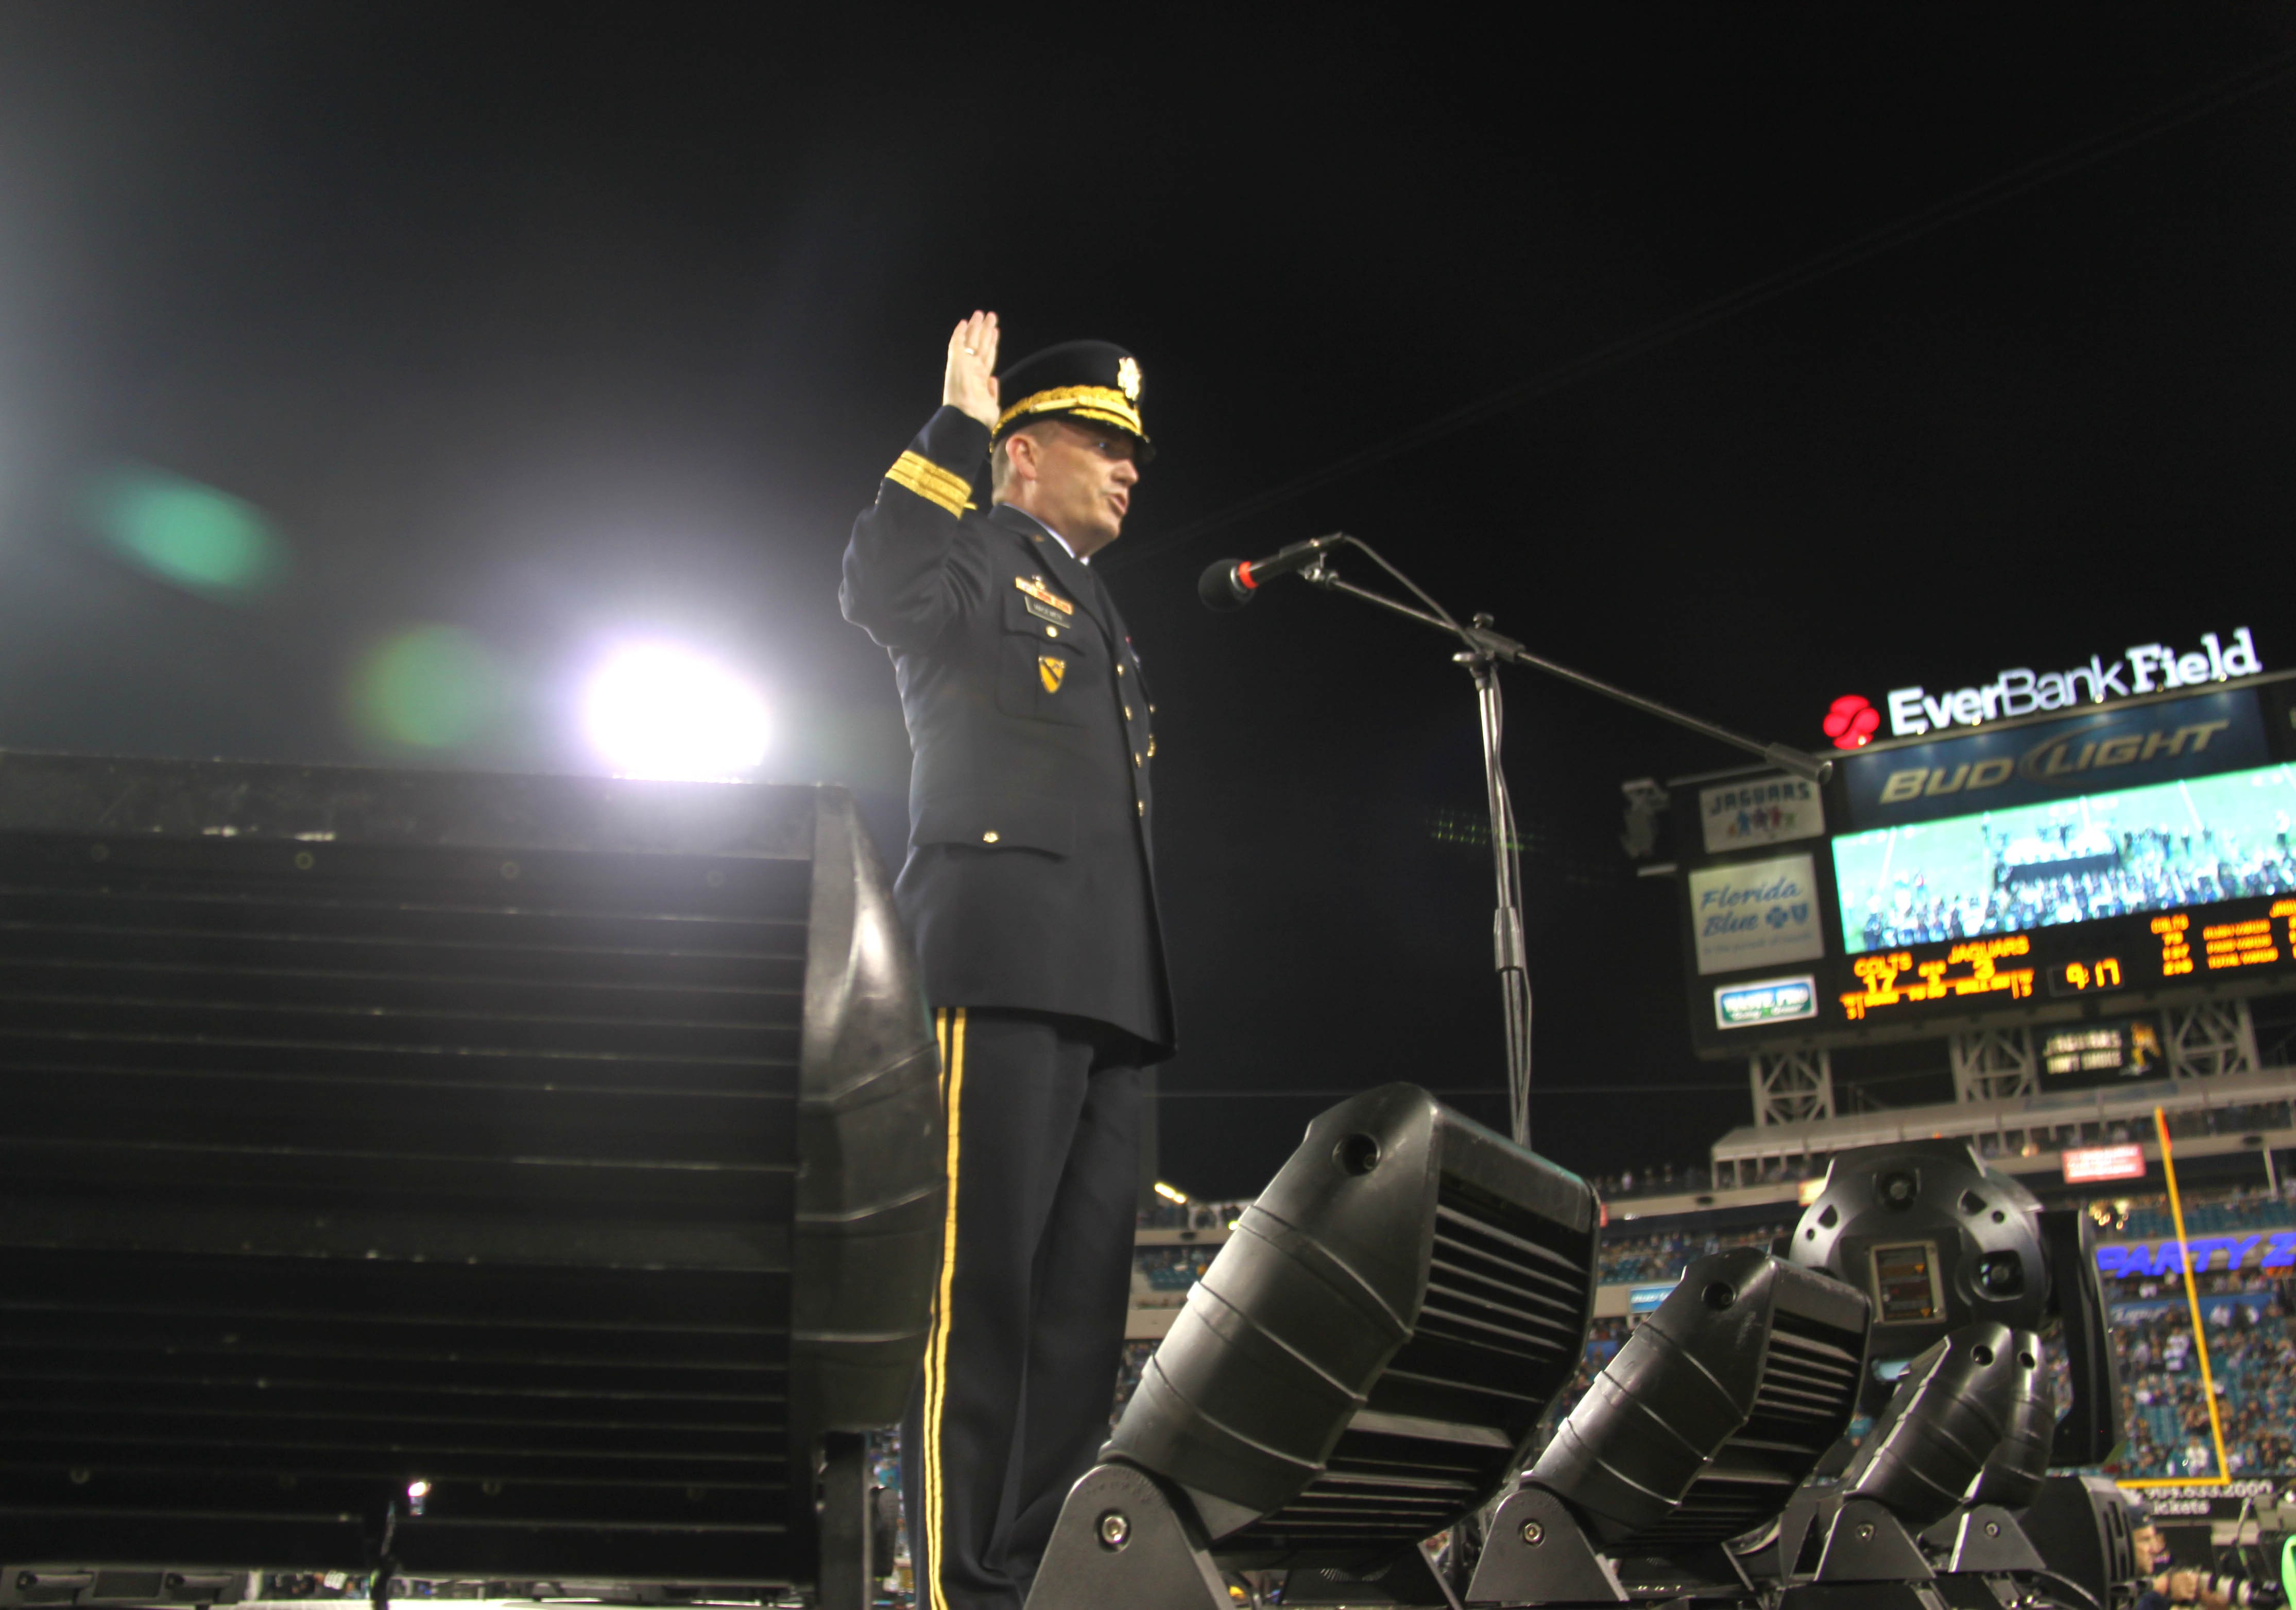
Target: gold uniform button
(1119, 671)
(1140, 806)
(1152, 748)
(989, 837)
(1052, 631)
(1127, 712)
(1135, 757)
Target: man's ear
(1020, 448)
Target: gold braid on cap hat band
(1105, 404)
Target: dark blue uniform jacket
(1029, 881)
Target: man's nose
(1126, 473)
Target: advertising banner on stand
(1765, 810)
(1756, 913)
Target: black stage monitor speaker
(497, 1176)
(1367, 1358)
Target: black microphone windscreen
(1218, 588)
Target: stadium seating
(2253, 1359)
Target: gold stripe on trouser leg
(951, 1028)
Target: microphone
(1230, 584)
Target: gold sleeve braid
(931, 482)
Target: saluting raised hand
(970, 383)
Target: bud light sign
(1756, 913)
(2117, 749)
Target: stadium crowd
(2253, 1359)
(2067, 874)
(2220, 1213)
(1661, 1255)
(1664, 1180)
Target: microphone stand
(1484, 652)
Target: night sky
(555, 326)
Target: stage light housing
(2021, 1462)
(1368, 1356)
(2079, 1525)
(1931, 1237)
(1973, 1404)
(1716, 1411)
(1938, 1241)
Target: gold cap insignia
(1051, 669)
(1128, 378)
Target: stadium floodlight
(1701, 1430)
(660, 710)
(1362, 1366)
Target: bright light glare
(188, 535)
(1171, 1194)
(658, 710)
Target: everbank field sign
(2147, 668)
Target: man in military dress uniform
(1030, 891)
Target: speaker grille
(326, 1167)
(1805, 1395)
(1499, 1330)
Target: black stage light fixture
(1937, 1240)
(1971, 1411)
(1700, 1431)
(508, 1177)
(2080, 1525)
(2021, 1462)
(1363, 1363)
(1962, 1441)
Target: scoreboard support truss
(1792, 1087)
(2210, 1038)
(1993, 1065)
(2204, 1040)
(2209, 1059)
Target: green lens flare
(188, 535)
(426, 687)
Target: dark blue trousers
(1028, 1319)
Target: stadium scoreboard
(2064, 866)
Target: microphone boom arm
(1484, 652)
(1494, 645)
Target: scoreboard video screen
(2057, 867)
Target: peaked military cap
(1097, 382)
